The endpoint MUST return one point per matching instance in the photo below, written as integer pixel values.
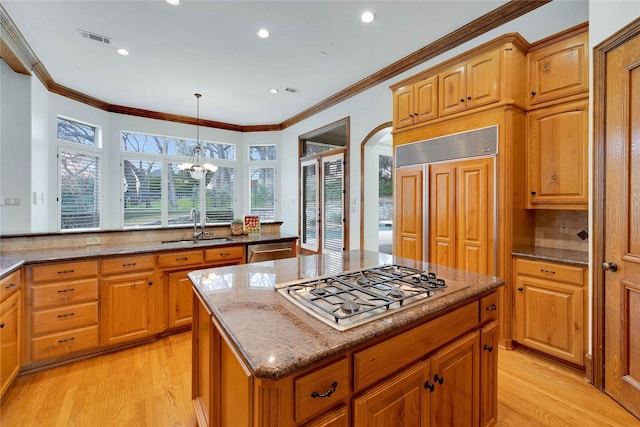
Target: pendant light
(197, 168)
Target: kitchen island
(260, 360)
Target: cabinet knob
(611, 266)
(461, 99)
(533, 193)
(533, 92)
(488, 348)
(1, 325)
(469, 98)
(429, 386)
(437, 378)
(521, 289)
(150, 282)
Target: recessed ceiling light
(123, 52)
(368, 17)
(173, 2)
(263, 33)
(274, 90)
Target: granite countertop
(276, 338)
(11, 261)
(556, 255)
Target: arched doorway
(376, 195)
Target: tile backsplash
(559, 229)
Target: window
(79, 174)
(262, 181)
(157, 193)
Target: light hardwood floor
(150, 385)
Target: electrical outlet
(93, 240)
(564, 227)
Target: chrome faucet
(196, 233)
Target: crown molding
(20, 57)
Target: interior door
(310, 205)
(622, 228)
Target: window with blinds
(79, 198)
(262, 181)
(79, 175)
(310, 204)
(158, 193)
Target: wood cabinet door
(489, 374)
(403, 107)
(483, 79)
(426, 99)
(452, 90)
(455, 371)
(549, 317)
(409, 216)
(9, 340)
(442, 214)
(461, 220)
(180, 299)
(558, 156)
(559, 70)
(127, 307)
(402, 400)
(335, 418)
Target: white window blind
(221, 194)
(142, 192)
(333, 203)
(310, 207)
(80, 183)
(263, 192)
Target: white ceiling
(211, 47)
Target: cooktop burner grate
(348, 299)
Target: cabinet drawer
(489, 308)
(64, 271)
(321, 389)
(10, 284)
(179, 259)
(64, 343)
(381, 360)
(128, 264)
(67, 293)
(549, 270)
(64, 318)
(226, 253)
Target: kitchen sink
(187, 242)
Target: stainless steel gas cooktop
(349, 299)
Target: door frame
(595, 369)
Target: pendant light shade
(197, 167)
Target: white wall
(15, 149)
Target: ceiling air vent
(292, 90)
(95, 37)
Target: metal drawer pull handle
(488, 348)
(547, 271)
(2, 325)
(429, 386)
(491, 307)
(64, 291)
(65, 341)
(62, 316)
(9, 286)
(131, 264)
(66, 271)
(326, 393)
(225, 254)
(437, 378)
(184, 258)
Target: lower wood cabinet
(550, 307)
(10, 329)
(127, 307)
(440, 373)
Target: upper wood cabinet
(557, 153)
(559, 70)
(470, 85)
(416, 103)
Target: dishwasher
(269, 251)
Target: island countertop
(276, 338)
